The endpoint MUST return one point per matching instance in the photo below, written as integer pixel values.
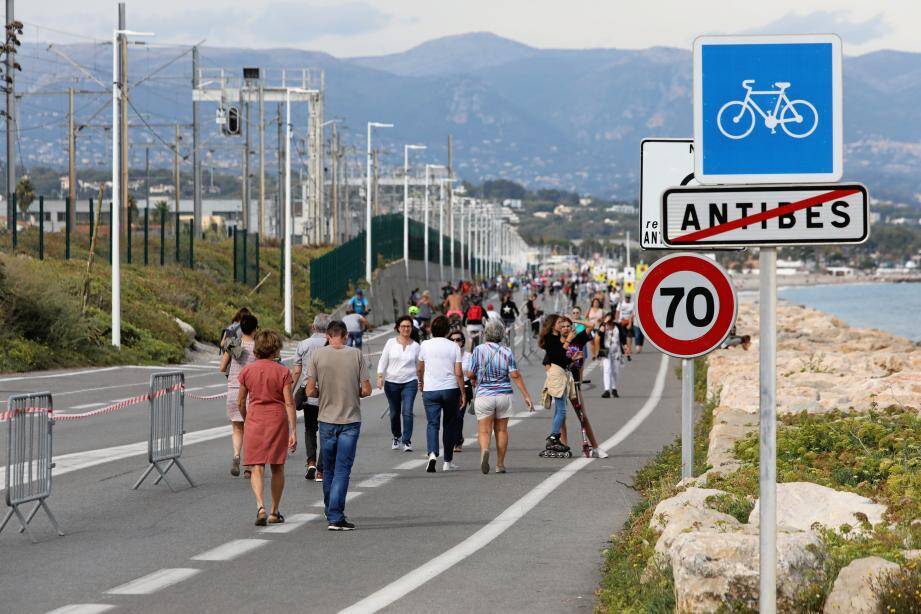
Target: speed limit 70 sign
(686, 305)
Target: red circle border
(716, 275)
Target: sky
(346, 28)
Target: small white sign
(707, 217)
(664, 163)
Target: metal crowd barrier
(28, 465)
(167, 426)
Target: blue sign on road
(767, 109)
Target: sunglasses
(457, 339)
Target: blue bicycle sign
(798, 118)
(768, 109)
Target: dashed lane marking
(412, 464)
(57, 375)
(293, 522)
(376, 480)
(230, 550)
(348, 497)
(83, 608)
(515, 512)
(155, 581)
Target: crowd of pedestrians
(460, 360)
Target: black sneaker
(606, 394)
(311, 473)
(614, 394)
(342, 525)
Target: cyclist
(508, 311)
(416, 335)
(474, 321)
(356, 325)
(359, 304)
(425, 312)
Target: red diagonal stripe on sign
(820, 199)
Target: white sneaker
(395, 445)
(449, 466)
(430, 467)
(599, 453)
(407, 447)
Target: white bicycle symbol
(798, 118)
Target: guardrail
(167, 426)
(28, 467)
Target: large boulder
(854, 590)
(729, 426)
(690, 518)
(692, 497)
(718, 570)
(802, 504)
(188, 330)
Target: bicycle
(797, 112)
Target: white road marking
(155, 581)
(515, 512)
(83, 608)
(87, 405)
(376, 480)
(75, 461)
(348, 497)
(215, 386)
(194, 389)
(57, 375)
(413, 464)
(230, 550)
(291, 523)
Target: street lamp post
(406, 149)
(116, 187)
(428, 170)
(368, 264)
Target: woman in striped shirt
(492, 370)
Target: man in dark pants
(310, 406)
(339, 375)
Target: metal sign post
(767, 356)
(687, 418)
(686, 305)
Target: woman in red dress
(269, 433)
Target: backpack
(475, 313)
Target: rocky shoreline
(823, 365)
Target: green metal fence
(332, 274)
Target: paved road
(526, 541)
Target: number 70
(676, 294)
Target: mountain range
(560, 118)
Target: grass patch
(627, 585)
(40, 302)
(875, 454)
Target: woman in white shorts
(492, 371)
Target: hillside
(40, 303)
(568, 119)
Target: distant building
(840, 271)
(622, 209)
(512, 203)
(541, 215)
(585, 201)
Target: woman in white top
(397, 374)
(625, 312)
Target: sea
(891, 307)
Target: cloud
(292, 22)
(824, 22)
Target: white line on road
(88, 405)
(215, 386)
(376, 480)
(230, 550)
(56, 375)
(291, 523)
(155, 581)
(348, 497)
(83, 608)
(515, 512)
(412, 464)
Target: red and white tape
(141, 398)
